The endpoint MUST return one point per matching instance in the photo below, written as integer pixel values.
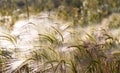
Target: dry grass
(48, 44)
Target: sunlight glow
(16, 64)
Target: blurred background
(82, 12)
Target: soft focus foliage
(59, 36)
